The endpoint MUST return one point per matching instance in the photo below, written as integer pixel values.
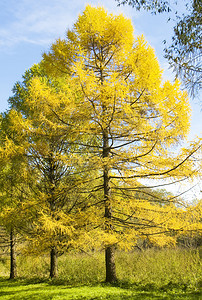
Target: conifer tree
(136, 118)
(51, 156)
(12, 182)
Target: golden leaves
(102, 106)
(97, 29)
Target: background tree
(184, 54)
(51, 155)
(13, 174)
(136, 118)
(157, 6)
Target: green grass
(24, 290)
(150, 274)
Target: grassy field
(21, 290)
(150, 274)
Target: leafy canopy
(136, 118)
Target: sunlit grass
(21, 290)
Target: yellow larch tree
(129, 119)
(55, 176)
(13, 175)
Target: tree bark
(110, 264)
(53, 263)
(13, 266)
(109, 251)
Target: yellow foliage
(123, 98)
(104, 99)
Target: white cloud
(36, 21)
(41, 21)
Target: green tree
(157, 6)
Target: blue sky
(28, 27)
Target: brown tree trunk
(13, 266)
(110, 265)
(53, 263)
(109, 251)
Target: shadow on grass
(36, 289)
(36, 295)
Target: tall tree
(184, 54)
(137, 119)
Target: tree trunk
(13, 266)
(110, 265)
(53, 263)
(109, 251)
